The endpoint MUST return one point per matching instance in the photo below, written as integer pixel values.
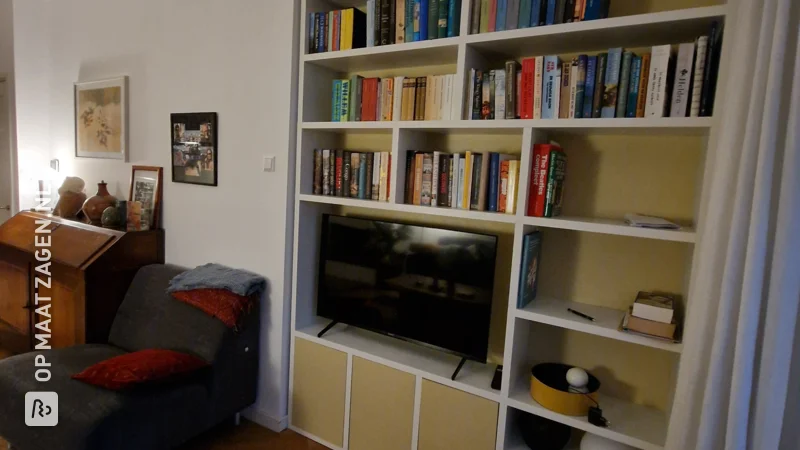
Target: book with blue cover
(336, 101)
(536, 8)
(633, 86)
(423, 20)
(524, 14)
(494, 174)
(550, 85)
(580, 90)
(453, 17)
(500, 17)
(550, 19)
(624, 82)
(596, 9)
(529, 270)
(588, 96)
(610, 91)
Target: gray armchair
(148, 417)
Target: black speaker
(543, 434)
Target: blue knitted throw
(217, 276)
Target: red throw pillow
(220, 303)
(140, 367)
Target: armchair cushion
(144, 366)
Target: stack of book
(331, 31)
(499, 15)
(652, 315)
(398, 21)
(546, 188)
(362, 99)
(618, 83)
(343, 173)
(484, 181)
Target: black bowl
(543, 434)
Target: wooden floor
(246, 436)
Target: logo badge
(41, 409)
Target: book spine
(408, 191)
(599, 86)
(374, 177)
(441, 22)
(510, 100)
(502, 194)
(569, 10)
(658, 81)
(459, 203)
(418, 163)
(455, 167)
(633, 86)
(683, 78)
(320, 34)
(400, 21)
(625, 78)
(556, 188)
(550, 185)
(392, 22)
(337, 30)
(346, 29)
(533, 185)
(443, 196)
(577, 14)
(337, 173)
(573, 86)
(527, 94)
(336, 98)
(344, 115)
(497, 15)
(549, 85)
(484, 16)
(541, 181)
(326, 170)
(486, 96)
(423, 19)
(513, 185)
(410, 8)
(317, 172)
(492, 92)
(596, 9)
(550, 18)
(426, 191)
(435, 179)
(709, 74)
(557, 96)
(385, 22)
(433, 19)
(354, 109)
(537, 86)
(563, 104)
(453, 17)
(475, 190)
(518, 93)
(580, 92)
(536, 8)
(311, 26)
(477, 94)
(368, 175)
(326, 32)
(613, 65)
(524, 14)
(355, 174)
(591, 80)
(500, 96)
(494, 172)
(524, 270)
(512, 14)
(699, 74)
(475, 17)
(560, 6)
(641, 99)
(347, 168)
(362, 176)
(467, 181)
(423, 97)
(386, 167)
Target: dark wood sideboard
(91, 270)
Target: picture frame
(146, 187)
(101, 118)
(194, 151)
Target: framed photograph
(194, 148)
(101, 119)
(146, 188)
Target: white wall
(7, 69)
(235, 57)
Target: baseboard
(266, 420)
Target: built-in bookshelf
(592, 260)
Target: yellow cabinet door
(452, 419)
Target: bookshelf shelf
(607, 321)
(639, 30)
(636, 425)
(606, 226)
(607, 158)
(422, 53)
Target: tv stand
(458, 368)
(328, 327)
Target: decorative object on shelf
(194, 148)
(594, 442)
(71, 197)
(539, 433)
(94, 206)
(577, 379)
(549, 387)
(134, 220)
(529, 272)
(146, 188)
(110, 217)
(101, 115)
(658, 223)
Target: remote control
(498, 377)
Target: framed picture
(146, 188)
(101, 119)
(194, 148)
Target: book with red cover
(543, 151)
(338, 172)
(526, 88)
(369, 97)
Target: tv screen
(428, 285)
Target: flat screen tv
(431, 286)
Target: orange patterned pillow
(140, 367)
(220, 303)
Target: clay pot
(69, 204)
(94, 207)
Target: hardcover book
(563, 104)
(400, 21)
(513, 185)
(658, 82)
(580, 84)
(486, 96)
(338, 168)
(512, 15)
(475, 180)
(363, 166)
(538, 77)
(453, 18)
(699, 74)
(599, 85)
(435, 179)
(376, 177)
(317, 172)
(624, 81)
(502, 195)
(347, 169)
(497, 15)
(641, 99)
(326, 170)
(611, 85)
(527, 89)
(427, 180)
(589, 84)
(555, 183)
(524, 14)
(368, 175)
(511, 89)
(345, 102)
(529, 270)
(712, 67)
(355, 174)
(500, 97)
(550, 86)
(573, 86)
(441, 23)
(683, 79)
(633, 86)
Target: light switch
(269, 164)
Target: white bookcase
(616, 161)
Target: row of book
(361, 99)
(546, 187)
(330, 31)
(343, 173)
(398, 21)
(499, 15)
(618, 83)
(481, 181)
